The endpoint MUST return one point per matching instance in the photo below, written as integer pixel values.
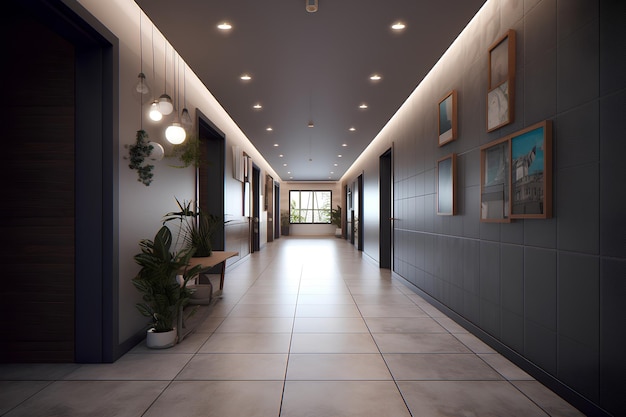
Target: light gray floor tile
(403, 325)
(91, 398)
(269, 299)
(36, 371)
(393, 299)
(473, 343)
(329, 325)
(328, 310)
(333, 343)
(467, 398)
(256, 325)
(219, 399)
(263, 310)
(209, 325)
(434, 366)
(324, 299)
(190, 344)
(546, 399)
(419, 343)
(342, 399)
(139, 367)
(316, 367)
(251, 367)
(247, 343)
(450, 325)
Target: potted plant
(284, 222)
(164, 296)
(335, 218)
(195, 226)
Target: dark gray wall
(552, 292)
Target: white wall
(140, 207)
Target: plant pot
(161, 340)
(338, 232)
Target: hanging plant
(137, 155)
(188, 152)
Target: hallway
(305, 327)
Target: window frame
(314, 210)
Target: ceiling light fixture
(375, 77)
(339, 156)
(344, 144)
(276, 145)
(185, 117)
(224, 26)
(141, 88)
(398, 26)
(363, 106)
(352, 129)
(154, 112)
(257, 106)
(269, 128)
(175, 133)
(165, 101)
(310, 124)
(246, 77)
(311, 6)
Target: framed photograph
(495, 182)
(501, 85)
(531, 172)
(446, 186)
(447, 118)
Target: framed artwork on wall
(446, 186)
(495, 182)
(501, 85)
(448, 118)
(531, 172)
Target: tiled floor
(306, 327)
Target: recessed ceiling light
(363, 106)
(246, 77)
(281, 155)
(375, 77)
(224, 26)
(269, 128)
(288, 172)
(311, 124)
(332, 172)
(352, 129)
(344, 144)
(339, 156)
(257, 106)
(398, 26)
(284, 165)
(335, 164)
(276, 145)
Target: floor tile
(139, 367)
(12, 393)
(333, 343)
(342, 399)
(256, 325)
(467, 398)
(36, 371)
(315, 367)
(403, 325)
(329, 325)
(269, 299)
(325, 299)
(473, 343)
(219, 399)
(390, 310)
(263, 310)
(419, 343)
(329, 310)
(450, 325)
(548, 400)
(435, 366)
(91, 398)
(210, 367)
(505, 367)
(393, 299)
(247, 343)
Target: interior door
(386, 210)
(269, 206)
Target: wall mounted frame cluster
(516, 175)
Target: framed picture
(531, 172)
(447, 118)
(446, 186)
(495, 181)
(501, 85)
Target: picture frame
(501, 82)
(448, 118)
(446, 186)
(531, 172)
(495, 204)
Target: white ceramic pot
(161, 340)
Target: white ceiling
(311, 67)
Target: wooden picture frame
(531, 172)
(501, 84)
(448, 118)
(446, 186)
(495, 162)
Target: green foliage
(163, 296)
(195, 226)
(335, 216)
(137, 155)
(284, 218)
(188, 152)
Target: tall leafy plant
(195, 227)
(163, 295)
